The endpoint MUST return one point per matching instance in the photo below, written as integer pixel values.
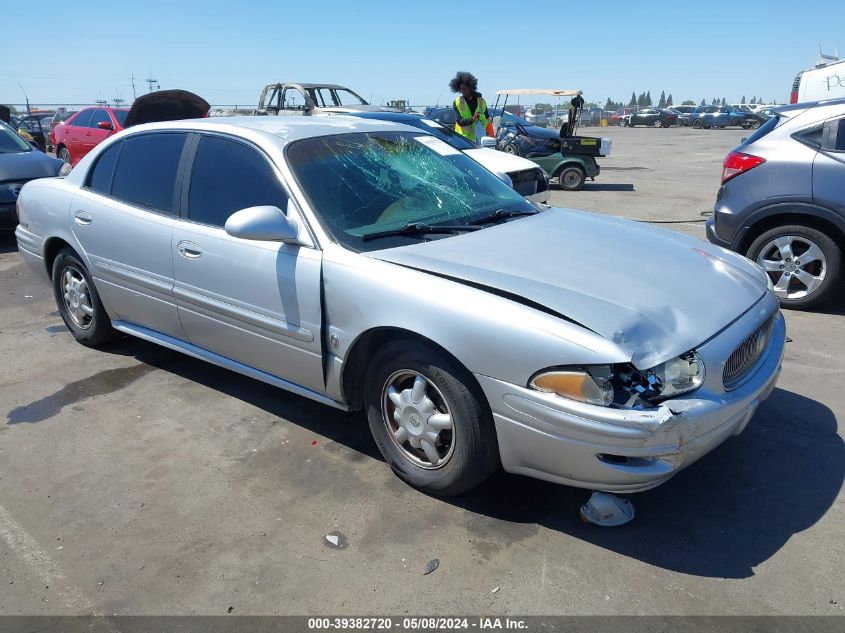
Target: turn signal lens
(575, 385)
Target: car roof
(307, 86)
(288, 128)
(808, 104)
(399, 117)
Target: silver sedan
(368, 265)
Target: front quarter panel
(489, 334)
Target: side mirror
(488, 141)
(505, 178)
(263, 223)
(105, 125)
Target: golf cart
(561, 153)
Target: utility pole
(153, 83)
(28, 109)
(134, 96)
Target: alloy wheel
(418, 419)
(795, 264)
(77, 297)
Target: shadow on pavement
(721, 517)
(605, 186)
(8, 244)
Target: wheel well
(51, 249)
(570, 164)
(812, 221)
(362, 350)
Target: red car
(78, 135)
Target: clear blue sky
(385, 50)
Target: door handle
(81, 217)
(188, 249)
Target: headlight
(681, 374)
(624, 384)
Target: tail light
(793, 96)
(737, 163)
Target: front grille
(745, 357)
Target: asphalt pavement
(135, 480)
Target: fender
(786, 209)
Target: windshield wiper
(419, 228)
(501, 214)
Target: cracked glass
(364, 183)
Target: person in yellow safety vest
(471, 115)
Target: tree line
(644, 100)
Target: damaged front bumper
(629, 450)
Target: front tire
(429, 419)
(658, 123)
(802, 262)
(64, 155)
(511, 148)
(697, 124)
(78, 302)
(572, 178)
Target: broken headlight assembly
(623, 385)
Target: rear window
(146, 171)
(120, 115)
(83, 119)
(764, 129)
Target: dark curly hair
(463, 77)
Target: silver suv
(782, 200)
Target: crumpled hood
(654, 292)
(28, 165)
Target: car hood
(545, 133)
(499, 162)
(28, 165)
(655, 293)
(354, 108)
(166, 105)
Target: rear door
(95, 134)
(123, 217)
(75, 131)
(829, 167)
(255, 302)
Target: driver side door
(255, 302)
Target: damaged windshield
(11, 143)
(382, 182)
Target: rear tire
(465, 444)
(826, 261)
(571, 178)
(78, 302)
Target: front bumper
(621, 450)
